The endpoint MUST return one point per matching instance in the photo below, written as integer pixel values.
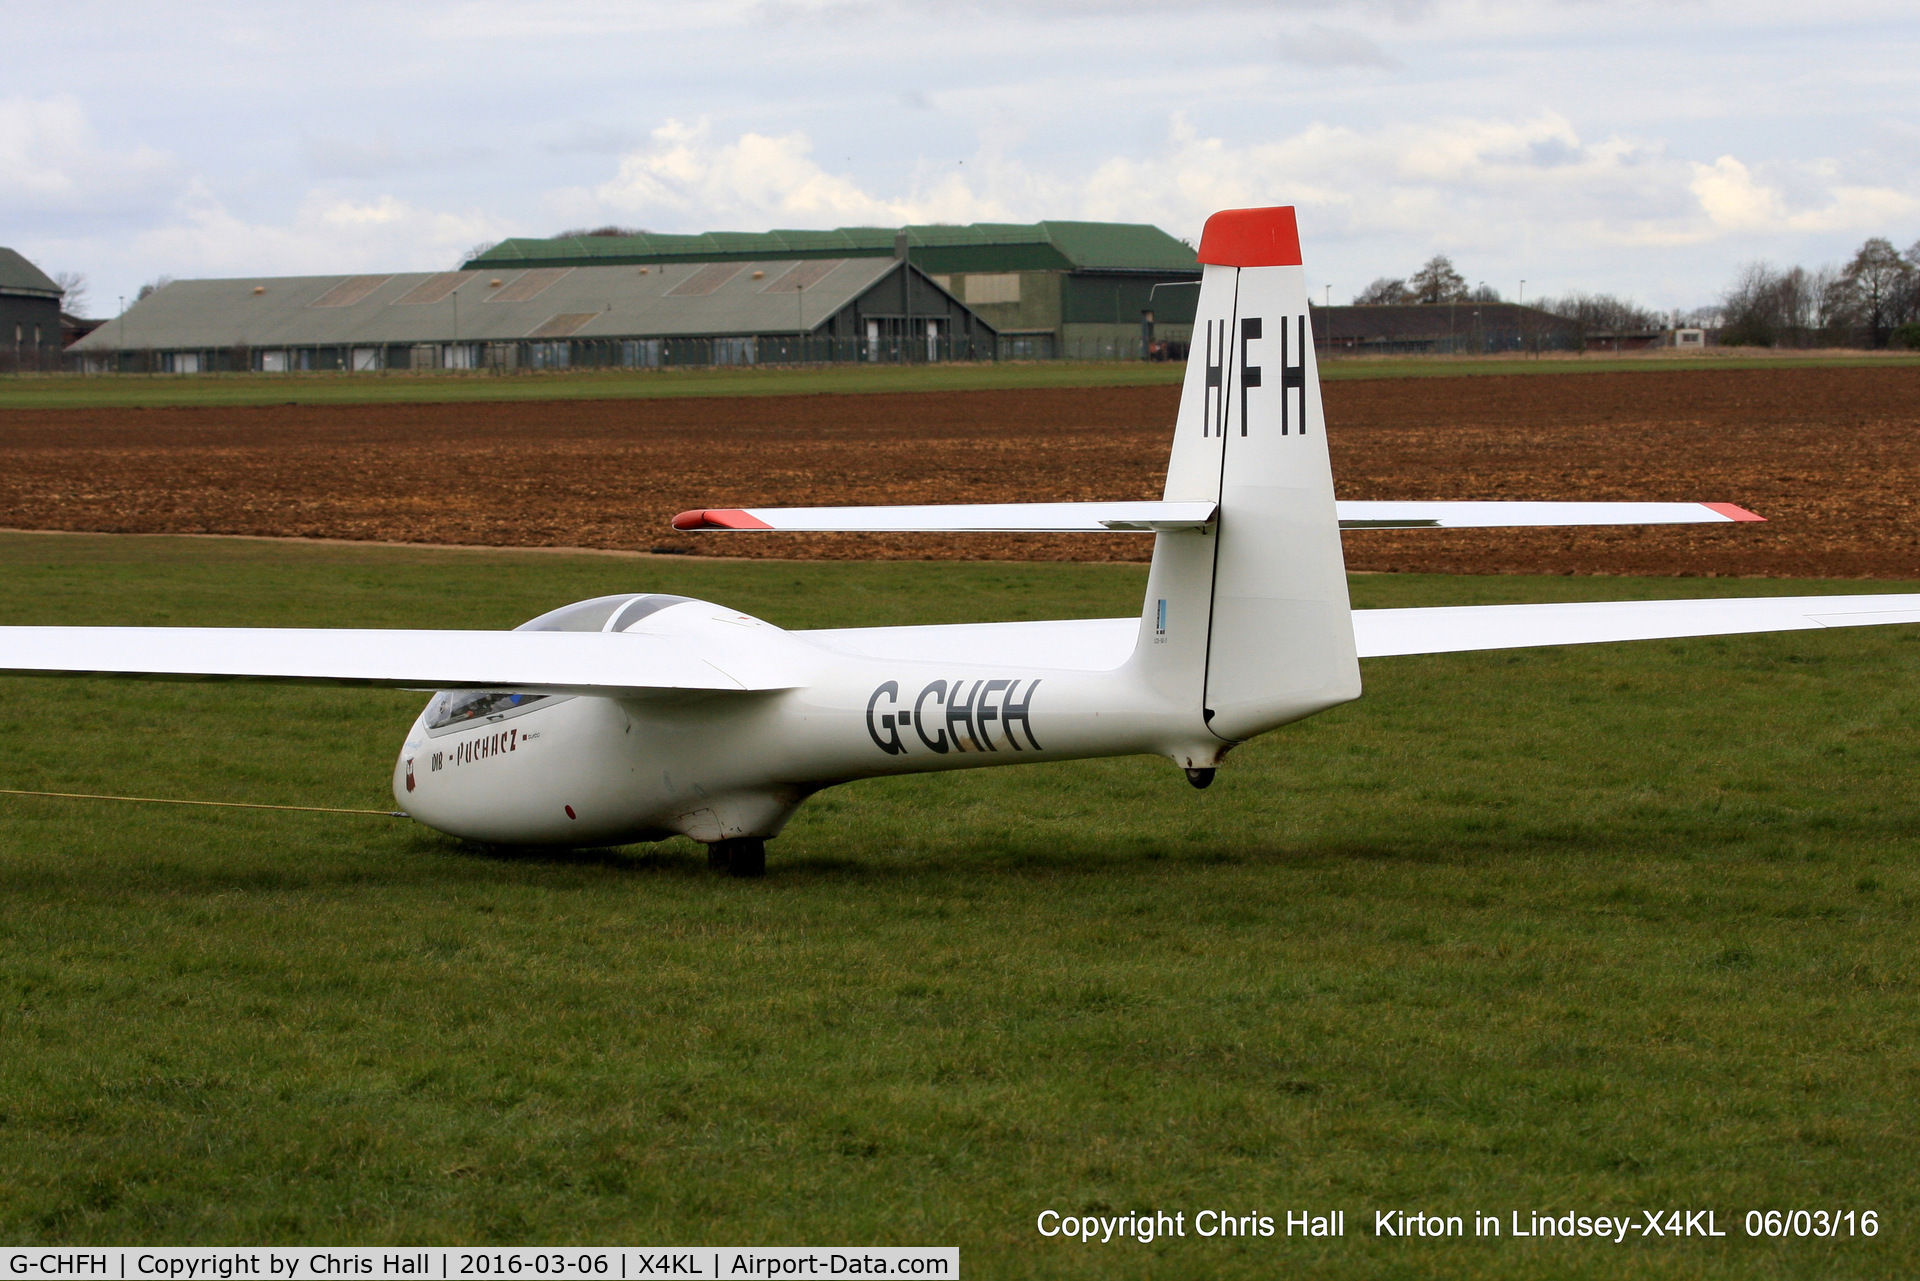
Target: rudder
(1278, 639)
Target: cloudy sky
(1640, 147)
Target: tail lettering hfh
(1293, 373)
(1249, 373)
(1215, 409)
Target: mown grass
(1593, 929)
(64, 391)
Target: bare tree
(1438, 282)
(1601, 313)
(1909, 332)
(1768, 307)
(474, 252)
(73, 291)
(153, 286)
(1384, 290)
(581, 233)
(1877, 288)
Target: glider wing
(1102, 644)
(609, 664)
(1380, 633)
(1398, 515)
(1156, 517)
(958, 518)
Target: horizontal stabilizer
(1448, 629)
(1152, 517)
(959, 518)
(604, 663)
(1398, 515)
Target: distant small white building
(1684, 338)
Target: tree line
(1875, 297)
(1440, 282)
(1871, 301)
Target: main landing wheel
(739, 855)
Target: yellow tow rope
(232, 805)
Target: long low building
(718, 313)
(1441, 328)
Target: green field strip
(127, 391)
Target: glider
(640, 716)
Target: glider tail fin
(1251, 617)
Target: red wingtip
(1251, 238)
(719, 518)
(1731, 512)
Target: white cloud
(1733, 200)
(1861, 210)
(85, 193)
(52, 160)
(327, 234)
(683, 177)
(1618, 147)
(1737, 201)
(1526, 196)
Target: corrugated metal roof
(350, 291)
(979, 246)
(18, 276)
(801, 276)
(592, 302)
(528, 285)
(436, 288)
(707, 280)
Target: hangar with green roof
(741, 312)
(1071, 290)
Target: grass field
(136, 391)
(1592, 929)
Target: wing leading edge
(609, 664)
(957, 518)
(1103, 644)
(1380, 633)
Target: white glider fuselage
(718, 765)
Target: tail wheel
(739, 855)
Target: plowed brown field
(1830, 456)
